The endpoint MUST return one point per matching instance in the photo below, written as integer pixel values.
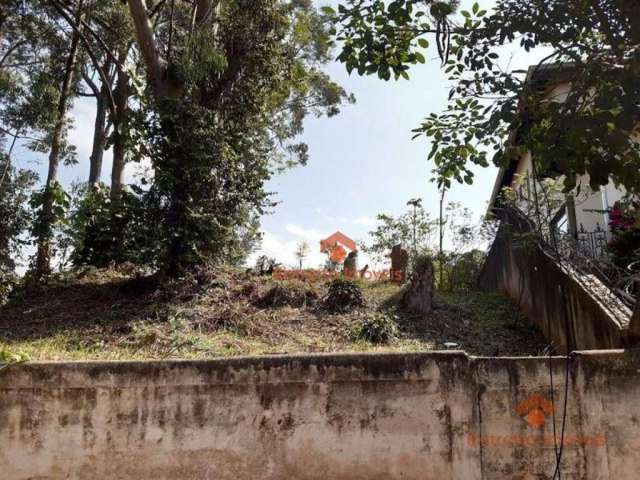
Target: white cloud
(365, 220)
(307, 234)
(283, 250)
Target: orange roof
(337, 238)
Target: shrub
(343, 296)
(623, 247)
(292, 294)
(465, 270)
(460, 271)
(422, 263)
(376, 328)
(101, 233)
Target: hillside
(105, 314)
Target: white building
(582, 214)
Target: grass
(109, 315)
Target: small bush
(9, 357)
(422, 263)
(465, 270)
(291, 294)
(376, 328)
(460, 271)
(343, 296)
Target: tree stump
(419, 296)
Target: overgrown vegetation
(117, 314)
(458, 266)
(15, 186)
(343, 296)
(376, 328)
(293, 293)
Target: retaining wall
(393, 416)
(571, 316)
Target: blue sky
(362, 162)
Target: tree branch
(148, 47)
(11, 50)
(94, 88)
(92, 56)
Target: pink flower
(618, 219)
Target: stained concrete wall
(571, 316)
(418, 416)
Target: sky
(362, 162)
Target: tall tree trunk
(43, 260)
(166, 90)
(121, 97)
(115, 249)
(99, 136)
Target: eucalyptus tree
(224, 90)
(37, 76)
(24, 95)
(29, 45)
(15, 189)
(53, 199)
(231, 82)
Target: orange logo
(337, 254)
(336, 246)
(535, 410)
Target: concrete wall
(418, 416)
(571, 316)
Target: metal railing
(588, 258)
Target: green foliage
(240, 83)
(208, 181)
(572, 137)
(422, 263)
(15, 186)
(246, 87)
(413, 230)
(13, 357)
(50, 206)
(265, 265)
(460, 270)
(624, 247)
(343, 296)
(385, 38)
(593, 46)
(375, 327)
(30, 48)
(102, 232)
